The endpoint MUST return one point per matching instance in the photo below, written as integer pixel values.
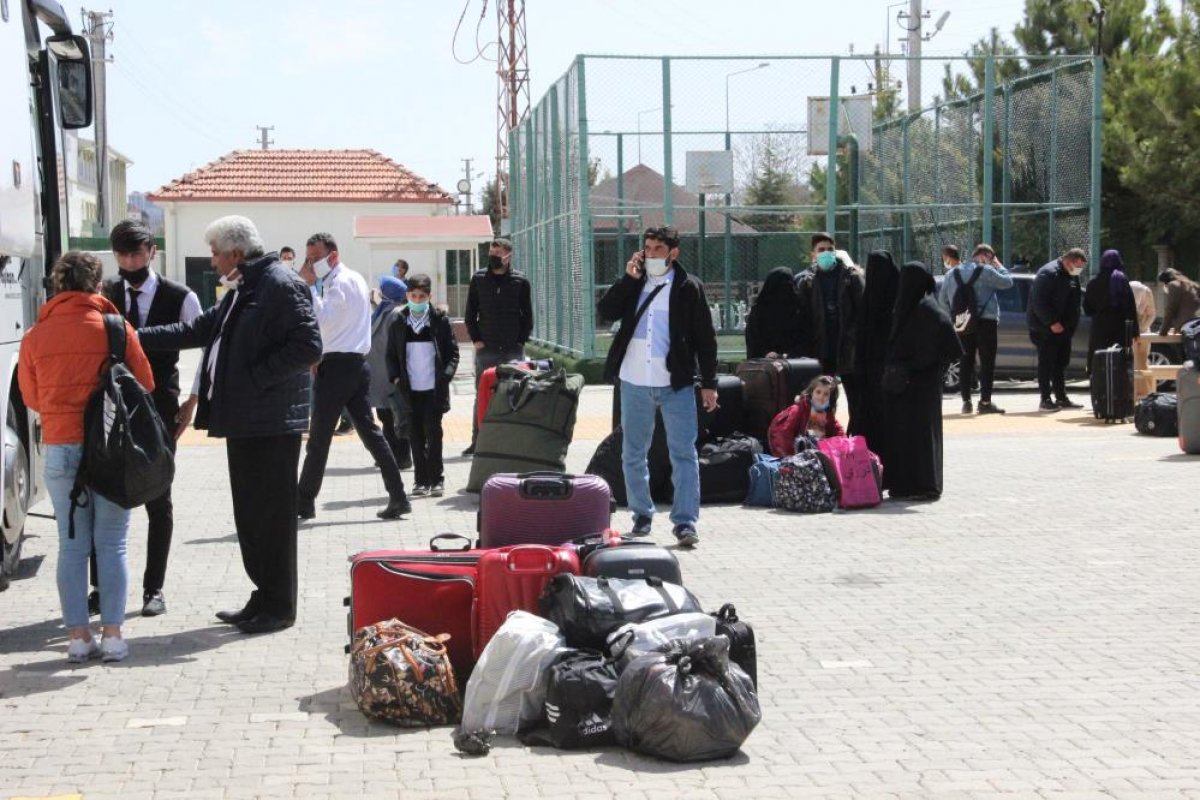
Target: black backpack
(127, 455)
(964, 308)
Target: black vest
(164, 310)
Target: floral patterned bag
(403, 676)
(802, 483)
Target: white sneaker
(114, 648)
(80, 650)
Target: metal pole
(555, 251)
(1006, 178)
(1097, 131)
(587, 254)
(700, 245)
(98, 33)
(989, 144)
(831, 159)
(905, 218)
(620, 202)
(852, 157)
(1052, 174)
(914, 56)
(727, 255)
(668, 186)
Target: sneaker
(988, 407)
(114, 648)
(686, 535)
(1066, 402)
(80, 650)
(153, 604)
(419, 490)
(641, 525)
(94, 603)
(967, 408)
(1048, 405)
(438, 489)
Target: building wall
(291, 224)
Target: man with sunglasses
(666, 337)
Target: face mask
(496, 263)
(135, 277)
(1075, 271)
(228, 283)
(946, 265)
(322, 268)
(656, 267)
(819, 406)
(1164, 288)
(826, 260)
(418, 308)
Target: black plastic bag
(587, 610)
(686, 703)
(579, 698)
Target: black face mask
(496, 263)
(135, 277)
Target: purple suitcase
(548, 508)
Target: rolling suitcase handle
(546, 485)
(531, 559)
(449, 537)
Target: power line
(454, 40)
(164, 104)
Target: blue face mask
(819, 406)
(418, 308)
(826, 260)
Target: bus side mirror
(74, 80)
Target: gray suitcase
(1187, 389)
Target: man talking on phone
(666, 337)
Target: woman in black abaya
(875, 328)
(773, 324)
(921, 344)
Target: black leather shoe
(306, 510)
(264, 623)
(232, 617)
(396, 509)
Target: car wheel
(1156, 359)
(950, 379)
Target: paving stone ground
(1034, 633)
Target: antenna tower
(512, 97)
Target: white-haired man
(259, 343)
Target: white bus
(45, 85)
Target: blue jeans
(638, 404)
(101, 522)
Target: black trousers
(484, 359)
(1053, 354)
(342, 382)
(400, 448)
(262, 477)
(425, 433)
(984, 342)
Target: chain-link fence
(735, 154)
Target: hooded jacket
(1054, 297)
(445, 352)
(812, 311)
(60, 359)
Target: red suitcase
(432, 590)
(549, 508)
(511, 579)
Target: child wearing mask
(422, 358)
(814, 413)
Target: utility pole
(465, 185)
(914, 56)
(263, 140)
(512, 96)
(99, 32)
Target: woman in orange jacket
(58, 370)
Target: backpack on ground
(127, 455)
(806, 483)
(1157, 415)
(964, 307)
(859, 471)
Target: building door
(201, 279)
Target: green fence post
(905, 216)
(668, 186)
(1097, 132)
(1006, 178)
(620, 203)
(727, 256)
(587, 255)
(556, 249)
(1052, 173)
(831, 160)
(989, 143)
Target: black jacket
(1054, 297)
(693, 341)
(445, 353)
(268, 343)
(165, 309)
(812, 312)
(499, 309)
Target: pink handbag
(859, 471)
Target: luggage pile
(556, 629)
(837, 472)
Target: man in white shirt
(342, 379)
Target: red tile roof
(477, 227)
(303, 175)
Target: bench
(1150, 374)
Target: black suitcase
(1112, 384)
(725, 468)
(730, 410)
(606, 463)
(636, 559)
(742, 649)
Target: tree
(491, 205)
(770, 164)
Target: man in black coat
(146, 298)
(1052, 316)
(259, 344)
(499, 316)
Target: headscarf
(777, 293)
(879, 301)
(1119, 292)
(394, 291)
(916, 283)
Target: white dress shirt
(343, 309)
(191, 304)
(645, 362)
(420, 357)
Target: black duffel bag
(725, 468)
(1157, 415)
(587, 610)
(579, 696)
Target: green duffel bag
(528, 425)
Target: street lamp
(639, 129)
(761, 65)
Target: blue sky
(190, 80)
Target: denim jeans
(100, 523)
(638, 405)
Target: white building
(292, 194)
(81, 172)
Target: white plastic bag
(508, 686)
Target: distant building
(81, 173)
(140, 207)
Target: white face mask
(229, 283)
(1075, 271)
(656, 267)
(322, 268)
(1164, 288)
